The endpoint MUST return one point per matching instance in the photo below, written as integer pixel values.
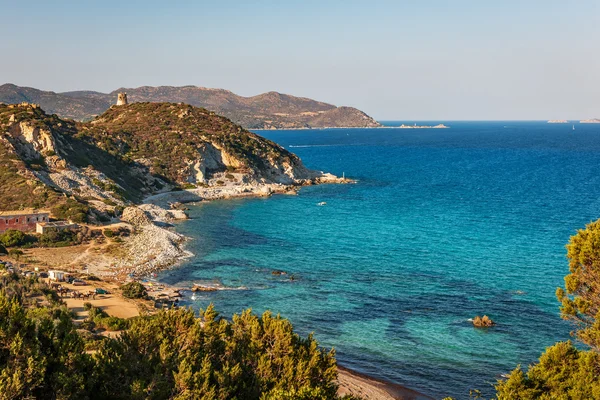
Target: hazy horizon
(394, 60)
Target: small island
(415, 126)
(590, 121)
(558, 121)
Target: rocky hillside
(128, 153)
(266, 111)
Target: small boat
(323, 203)
(573, 127)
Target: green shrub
(108, 233)
(15, 253)
(112, 323)
(71, 210)
(3, 250)
(12, 238)
(134, 290)
(58, 238)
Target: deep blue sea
(443, 225)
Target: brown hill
(270, 110)
(130, 152)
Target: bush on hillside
(134, 290)
(58, 238)
(71, 210)
(12, 237)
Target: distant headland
(415, 126)
(270, 110)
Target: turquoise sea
(443, 225)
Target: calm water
(443, 225)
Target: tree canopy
(564, 371)
(170, 355)
(581, 296)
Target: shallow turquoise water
(443, 225)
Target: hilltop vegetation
(126, 154)
(170, 137)
(169, 355)
(264, 111)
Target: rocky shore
(155, 246)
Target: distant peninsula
(270, 110)
(590, 121)
(415, 126)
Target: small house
(43, 227)
(22, 220)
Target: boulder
(135, 216)
(483, 322)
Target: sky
(395, 60)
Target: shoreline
(370, 388)
(156, 246)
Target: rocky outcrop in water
(483, 322)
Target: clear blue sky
(419, 59)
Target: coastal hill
(270, 110)
(130, 152)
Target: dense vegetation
(125, 154)
(564, 371)
(170, 355)
(134, 290)
(170, 136)
(52, 238)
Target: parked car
(101, 291)
(79, 282)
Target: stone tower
(121, 99)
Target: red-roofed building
(22, 220)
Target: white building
(58, 276)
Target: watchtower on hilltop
(121, 99)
